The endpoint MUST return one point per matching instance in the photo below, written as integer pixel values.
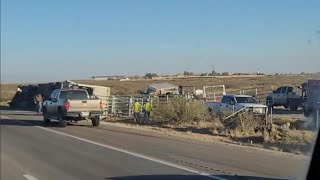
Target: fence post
(256, 91)
(113, 104)
(167, 99)
(130, 104)
(214, 96)
(266, 116)
(142, 101)
(224, 89)
(271, 114)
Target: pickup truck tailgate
(90, 105)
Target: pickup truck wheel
(95, 122)
(62, 122)
(45, 117)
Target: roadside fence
(260, 92)
(120, 106)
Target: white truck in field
(286, 96)
(232, 103)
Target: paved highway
(33, 152)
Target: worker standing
(136, 108)
(147, 111)
(38, 102)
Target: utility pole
(213, 69)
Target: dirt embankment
(294, 137)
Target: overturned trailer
(23, 99)
(94, 91)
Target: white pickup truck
(232, 103)
(286, 96)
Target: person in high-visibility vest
(136, 108)
(147, 107)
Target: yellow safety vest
(147, 106)
(136, 107)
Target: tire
(306, 113)
(62, 122)
(293, 108)
(45, 117)
(95, 122)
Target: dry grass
(134, 87)
(7, 91)
(179, 109)
(296, 142)
(245, 123)
(231, 83)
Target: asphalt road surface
(34, 152)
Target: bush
(179, 109)
(245, 122)
(150, 75)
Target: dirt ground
(300, 142)
(233, 84)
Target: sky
(77, 39)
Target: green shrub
(179, 109)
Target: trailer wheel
(293, 108)
(306, 113)
(95, 122)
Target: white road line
(129, 152)
(29, 177)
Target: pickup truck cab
(232, 103)
(286, 96)
(66, 105)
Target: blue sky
(76, 39)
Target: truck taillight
(101, 105)
(66, 105)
